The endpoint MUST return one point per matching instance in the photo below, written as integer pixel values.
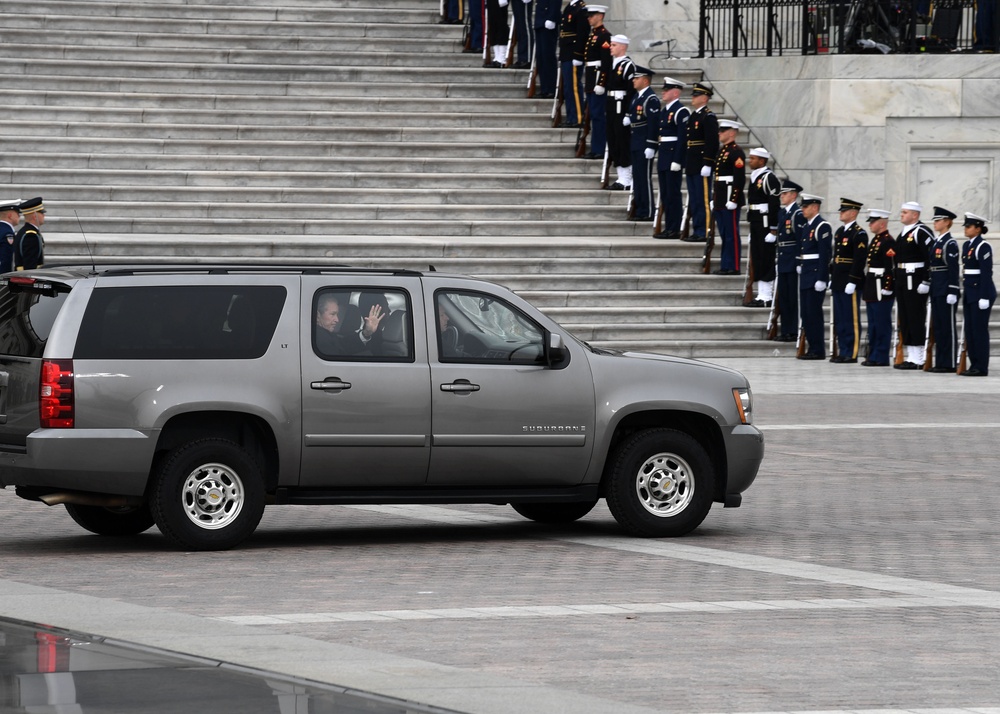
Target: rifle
(631, 201)
(833, 331)
(800, 347)
(686, 219)
(659, 217)
(960, 368)
(706, 258)
(511, 39)
(772, 317)
(897, 339)
(929, 343)
(582, 133)
(605, 167)
(748, 284)
(556, 115)
(533, 75)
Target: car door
(502, 416)
(366, 411)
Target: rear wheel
(208, 495)
(554, 512)
(123, 521)
(662, 484)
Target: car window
(477, 327)
(340, 331)
(180, 322)
(25, 321)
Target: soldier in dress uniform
(980, 294)
(729, 180)
(790, 222)
(702, 146)
(945, 258)
(10, 216)
(912, 284)
(878, 291)
(644, 123)
(618, 98)
(670, 159)
(597, 61)
(29, 248)
(850, 247)
(497, 31)
(762, 212)
(546, 26)
(574, 29)
(521, 9)
(815, 247)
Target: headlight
(744, 403)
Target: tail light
(56, 403)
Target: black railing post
(770, 28)
(736, 28)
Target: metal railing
(753, 28)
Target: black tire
(125, 521)
(662, 484)
(554, 512)
(208, 495)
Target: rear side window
(180, 322)
(25, 321)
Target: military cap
(848, 204)
(671, 83)
(32, 205)
(699, 88)
(789, 186)
(643, 72)
(876, 213)
(10, 204)
(943, 214)
(808, 198)
(761, 152)
(620, 39)
(971, 219)
(597, 8)
(911, 206)
(728, 124)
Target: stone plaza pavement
(859, 576)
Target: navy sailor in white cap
(980, 294)
(913, 284)
(763, 204)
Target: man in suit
(672, 149)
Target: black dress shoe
(642, 219)
(522, 65)
(753, 303)
(493, 65)
(852, 360)
(694, 239)
(870, 363)
(614, 187)
(837, 359)
(941, 370)
(811, 355)
(786, 338)
(905, 365)
(674, 235)
(662, 235)
(973, 373)
(568, 125)
(592, 156)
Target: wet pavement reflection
(45, 669)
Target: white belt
(668, 138)
(594, 63)
(876, 271)
(759, 207)
(724, 179)
(910, 267)
(972, 271)
(618, 94)
(810, 256)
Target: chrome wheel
(213, 496)
(665, 484)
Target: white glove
(924, 288)
(952, 299)
(527, 1)
(549, 25)
(598, 89)
(576, 63)
(706, 171)
(502, 3)
(798, 269)
(850, 288)
(820, 286)
(674, 166)
(887, 293)
(626, 121)
(771, 238)
(649, 153)
(730, 205)
(984, 304)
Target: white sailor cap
(761, 152)
(597, 8)
(671, 83)
(911, 206)
(11, 204)
(971, 219)
(620, 39)
(728, 124)
(876, 213)
(808, 198)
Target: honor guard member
(521, 9)
(790, 222)
(574, 29)
(497, 31)
(546, 26)
(912, 284)
(730, 178)
(815, 246)
(29, 248)
(850, 248)
(980, 294)
(597, 61)
(878, 292)
(670, 159)
(945, 258)
(763, 204)
(644, 124)
(702, 146)
(10, 216)
(617, 99)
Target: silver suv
(193, 396)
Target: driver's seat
(395, 339)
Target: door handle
(332, 384)
(462, 386)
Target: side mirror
(555, 351)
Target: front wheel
(123, 521)
(554, 512)
(208, 495)
(661, 485)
